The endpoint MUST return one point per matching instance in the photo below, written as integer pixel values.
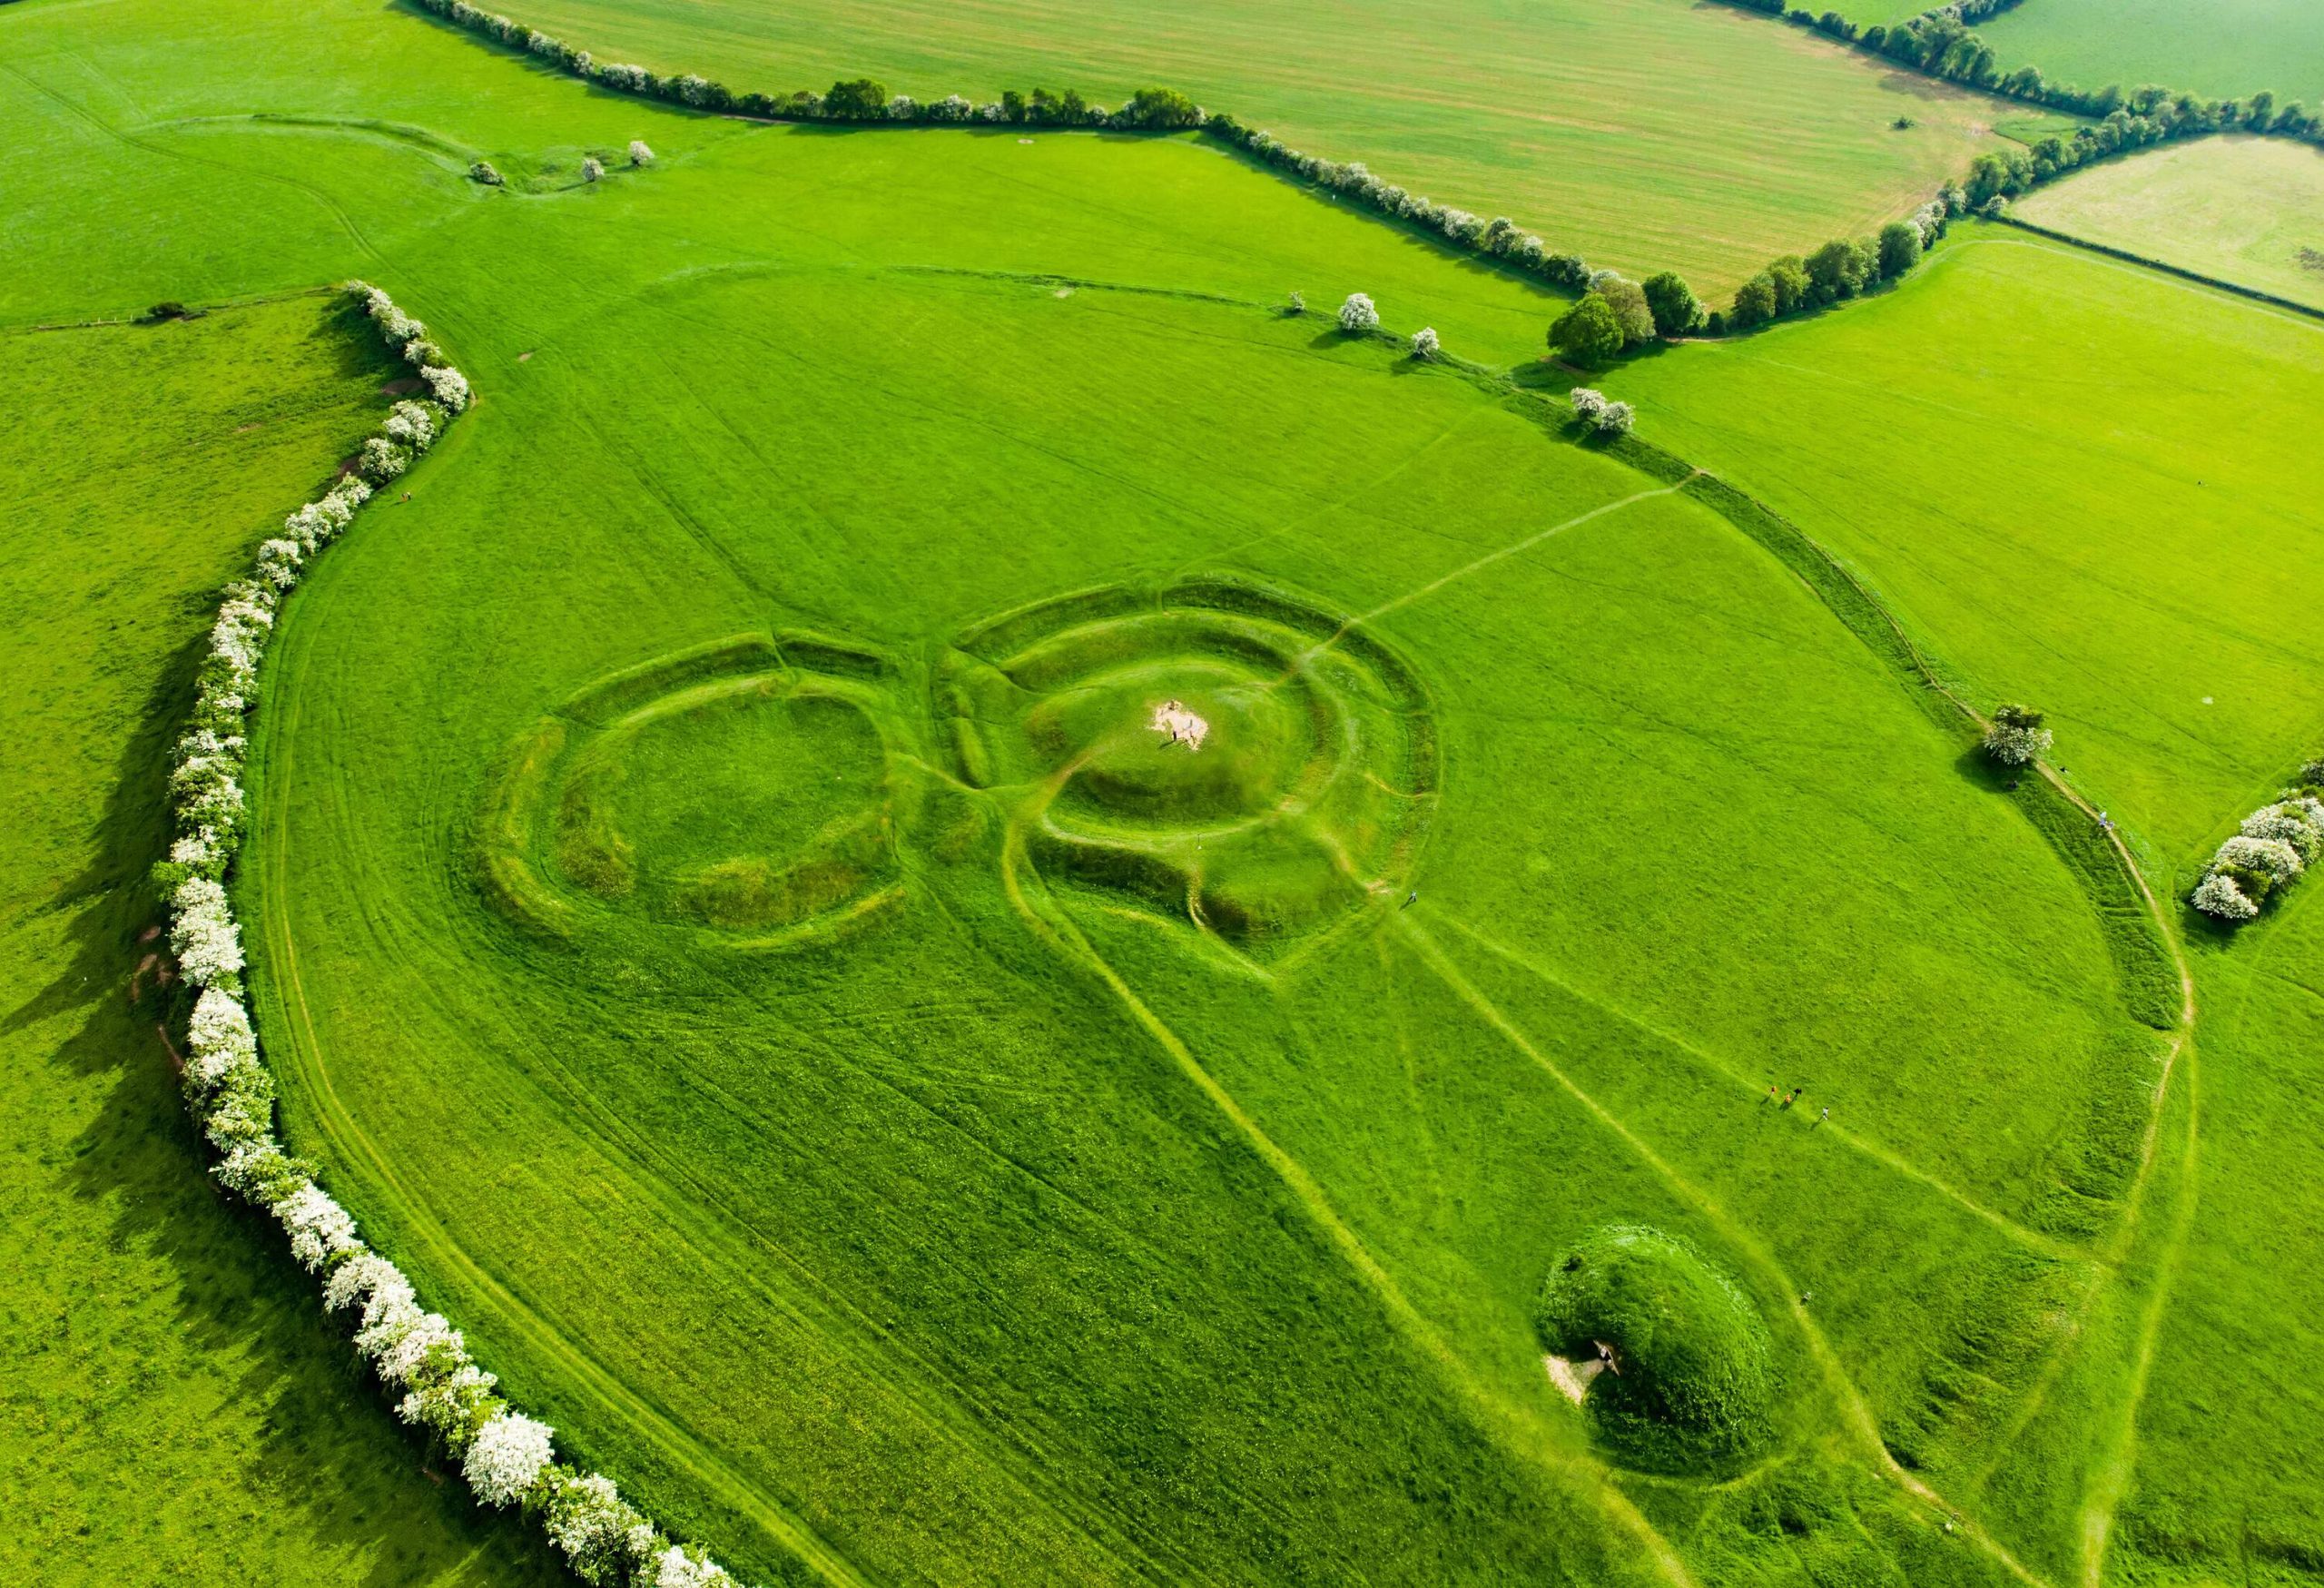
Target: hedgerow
(2270, 851)
(865, 101)
(506, 1457)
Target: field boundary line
(2218, 283)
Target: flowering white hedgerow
(2289, 822)
(1424, 342)
(200, 850)
(1588, 401)
(592, 168)
(1615, 420)
(203, 936)
(455, 1404)
(951, 108)
(390, 1312)
(450, 387)
(2272, 856)
(419, 353)
(508, 1458)
(2016, 735)
(219, 1037)
(412, 1348)
(1358, 314)
(674, 1568)
(319, 1228)
(639, 154)
(411, 424)
(359, 1279)
(2217, 895)
(618, 74)
(249, 1168)
(602, 1536)
(383, 460)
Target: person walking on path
(1821, 1118)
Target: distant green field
(2248, 211)
(726, 922)
(2004, 448)
(2223, 49)
(175, 1408)
(1645, 134)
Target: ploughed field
(989, 913)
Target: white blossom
(410, 1349)
(674, 1568)
(382, 461)
(218, 1039)
(203, 936)
(2271, 856)
(319, 1228)
(357, 1279)
(1615, 420)
(449, 1403)
(2016, 736)
(592, 168)
(412, 425)
(450, 387)
(639, 154)
(2217, 895)
(1588, 402)
(1358, 314)
(2290, 822)
(508, 1457)
(602, 1536)
(1424, 342)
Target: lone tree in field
(1900, 249)
(639, 154)
(2016, 735)
(1424, 343)
(1358, 315)
(859, 99)
(1673, 303)
(1588, 334)
(1295, 304)
(592, 168)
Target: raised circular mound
(1237, 757)
(739, 788)
(1691, 1379)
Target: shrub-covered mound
(1692, 1377)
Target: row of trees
(1943, 43)
(506, 1457)
(1616, 314)
(2272, 850)
(1843, 268)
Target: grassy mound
(1691, 1381)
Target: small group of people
(1789, 1097)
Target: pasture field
(2223, 49)
(724, 920)
(2002, 447)
(2244, 209)
(1643, 134)
(174, 1408)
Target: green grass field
(2223, 49)
(1644, 134)
(2003, 446)
(726, 924)
(2248, 211)
(175, 1409)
